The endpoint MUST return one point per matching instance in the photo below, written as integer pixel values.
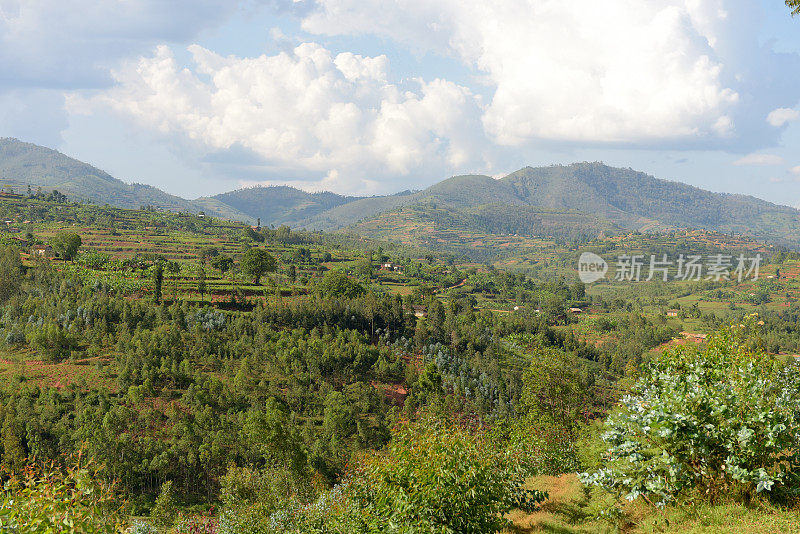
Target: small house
(420, 311)
(672, 313)
(43, 251)
(575, 310)
(389, 266)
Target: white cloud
(782, 116)
(763, 160)
(72, 44)
(795, 170)
(328, 115)
(615, 72)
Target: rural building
(672, 313)
(43, 251)
(575, 310)
(420, 311)
(389, 266)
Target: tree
(437, 477)
(201, 284)
(10, 272)
(13, 450)
(363, 268)
(165, 509)
(256, 263)
(336, 284)
(554, 389)
(222, 263)
(208, 252)
(158, 279)
(174, 268)
(795, 5)
(66, 244)
(718, 421)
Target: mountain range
(585, 198)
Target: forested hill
(622, 198)
(274, 205)
(26, 164)
(627, 197)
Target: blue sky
(200, 97)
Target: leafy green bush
(336, 284)
(53, 500)
(438, 477)
(724, 420)
(165, 509)
(433, 477)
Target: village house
(43, 251)
(389, 266)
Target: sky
(365, 97)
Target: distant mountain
(624, 198)
(25, 164)
(274, 204)
(583, 199)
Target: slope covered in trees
(612, 197)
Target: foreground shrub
(432, 477)
(438, 477)
(724, 420)
(52, 499)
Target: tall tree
(10, 272)
(201, 284)
(158, 279)
(66, 244)
(256, 263)
(174, 268)
(795, 5)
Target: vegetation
(371, 386)
(713, 422)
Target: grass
(571, 509)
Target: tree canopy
(256, 263)
(66, 244)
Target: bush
(433, 477)
(723, 420)
(53, 500)
(165, 509)
(437, 477)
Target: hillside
(274, 205)
(630, 198)
(25, 164)
(623, 197)
(605, 199)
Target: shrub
(52, 500)
(721, 420)
(438, 477)
(165, 509)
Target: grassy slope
(570, 510)
(23, 164)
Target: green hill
(607, 198)
(623, 197)
(25, 164)
(275, 204)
